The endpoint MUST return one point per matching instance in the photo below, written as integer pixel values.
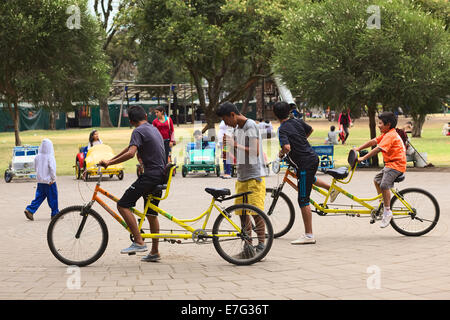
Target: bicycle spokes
(416, 212)
(247, 245)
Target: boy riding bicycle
(394, 155)
(147, 142)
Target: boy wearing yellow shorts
(246, 146)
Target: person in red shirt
(391, 145)
(344, 122)
(164, 125)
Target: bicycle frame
(362, 201)
(149, 205)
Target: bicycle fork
(84, 214)
(275, 195)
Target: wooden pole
(121, 110)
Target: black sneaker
(29, 215)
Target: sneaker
(260, 247)
(29, 215)
(134, 248)
(333, 194)
(151, 257)
(247, 253)
(386, 220)
(304, 240)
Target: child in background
(94, 139)
(200, 142)
(446, 129)
(333, 136)
(45, 165)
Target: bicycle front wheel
(75, 238)
(244, 236)
(421, 218)
(280, 210)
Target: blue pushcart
(326, 157)
(200, 158)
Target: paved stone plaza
(349, 251)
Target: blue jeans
(226, 167)
(44, 191)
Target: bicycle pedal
(372, 221)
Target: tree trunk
(105, 119)
(250, 93)
(418, 121)
(372, 109)
(259, 93)
(16, 119)
(52, 120)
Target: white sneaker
(333, 194)
(304, 240)
(386, 220)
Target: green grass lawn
(66, 142)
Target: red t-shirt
(165, 128)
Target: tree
(432, 66)
(440, 9)
(117, 43)
(334, 54)
(156, 68)
(42, 51)
(212, 40)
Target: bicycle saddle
(339, 173)
(400, 178)
(161, 187)
(218, 192)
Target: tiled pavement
(339, 266)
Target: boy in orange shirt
(394, 156)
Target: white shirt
(94, 143)
(224, 129)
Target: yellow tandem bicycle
(78, 235)
(415, 211)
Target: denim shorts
(306, 178)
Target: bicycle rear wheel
(75, 238)
(423, 217)
(251, 244)
(280, 210)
